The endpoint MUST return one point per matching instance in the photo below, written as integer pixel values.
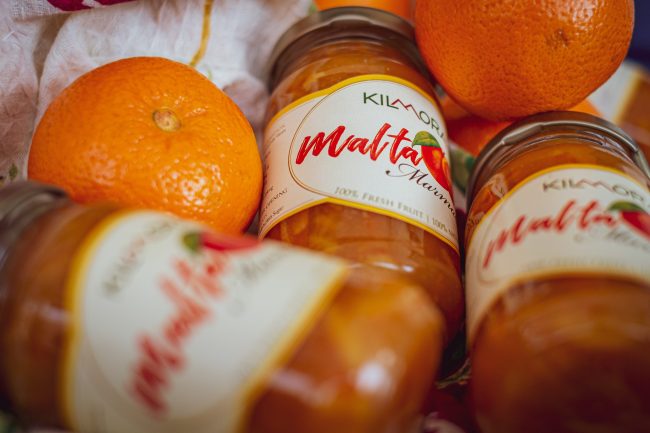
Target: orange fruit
(472, 132)
(506, 59)
(152, 133)
(398, 7)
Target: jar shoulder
(328, 65)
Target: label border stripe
(364, 207)
(72, 301)
(288, 344)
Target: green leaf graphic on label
(192, 242)
(424, 138)
(434, 158)
(625, 206)
(198, 242)
(633, 215)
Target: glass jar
(120, 321)
(558, 279)
(355, 152)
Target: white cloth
(42, 51)
(34, 8)
(23, 46)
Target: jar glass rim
(549, 122)
(336, 23)
(21, 203)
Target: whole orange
(502, 59)
(472, 132)
(153, 133)
(398, 7)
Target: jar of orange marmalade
(558, 279)
(133, 321)
(355, 151)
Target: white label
(371, 142)
(176, 328)
(566, 220)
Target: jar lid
(20, 204)
(336, 23)
(544, 122)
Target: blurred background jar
(558, 283)
(119, 321)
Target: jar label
(373, 142)
(570, 219)
(176, 329)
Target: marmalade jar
(558, 279)
(122, 321)
(355, 152)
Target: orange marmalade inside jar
(558, 279)
(355, 152)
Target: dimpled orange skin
(506, 59)
(153, 133)
(398, 7)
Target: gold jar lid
(343, 22)
(501, 146)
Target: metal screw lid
(546, 122)
(332, 24)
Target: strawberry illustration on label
(196, 241)
(434, 158)
(633, 215)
